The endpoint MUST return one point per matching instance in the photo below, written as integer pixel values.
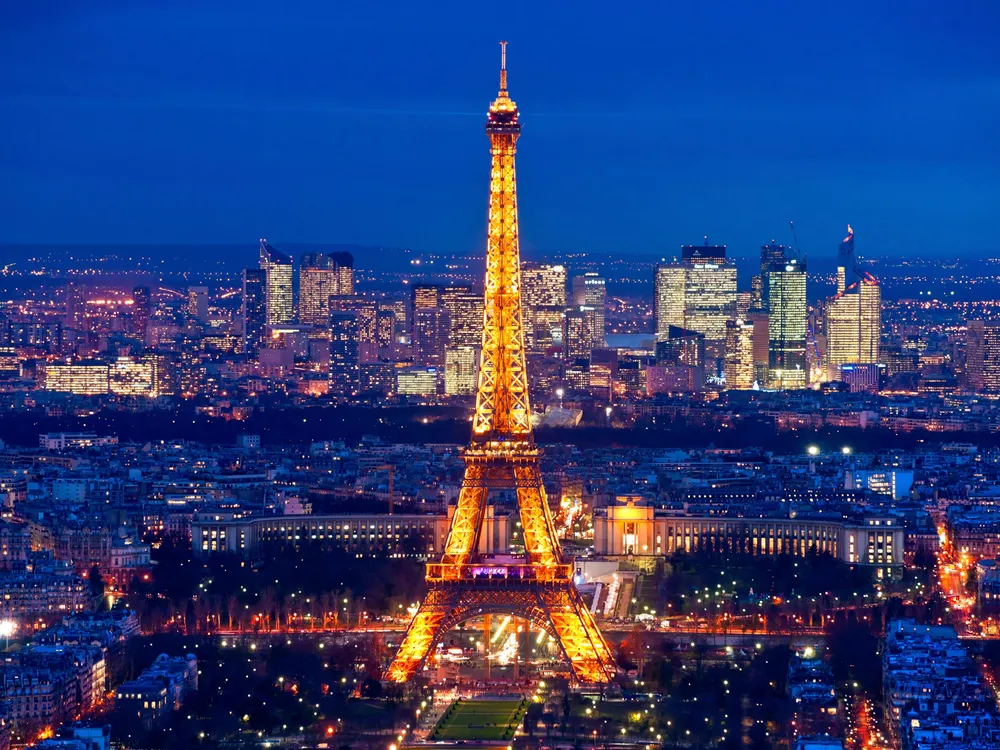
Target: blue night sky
(646, 125)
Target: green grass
(483, 720)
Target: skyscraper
(198, 303)
(316, 285)
(431, 327)
(141, 308)
(366, 312)
(465, 312)
(344, 353)
(279, 270)
(461, 365)
(786, 295)
(669, 286)
(739, 355)
(982, 356)
(254, 310)
(697, 294)
(580, 332)
(853, 320)
(425, 295)
(343, 264)
(75, 310)
(322, 275)
(543, 297)
(771, 256)
(591, 290)
(543, 285)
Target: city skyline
(326, 159)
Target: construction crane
(795, 239)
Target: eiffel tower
(503, 456)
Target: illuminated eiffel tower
(503, 456)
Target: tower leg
(540, 543)
(421, 637)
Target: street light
(846, 450)
(813, 450)
(7, 628)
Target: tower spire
(503, 66)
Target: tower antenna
(503, 65)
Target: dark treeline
(297, 426)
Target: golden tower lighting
(503, 455)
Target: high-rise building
(366, 310)
(141, 308)
(425, 295)
(669, 287)
(786, 296)
(772, 255)
(385, 328)
(316, 286)
(254, 310)
(344, 353)
(279, 297)
(761, 347)
(343, 263)
(698, 294)
(739, 355)
(547, 325)
(853, 319)
(982, 356)
(431, 328)
(75, 306)
(680, 363)
(322, 275)
(465, 311)
(603, 372)
(590, 290)
(198, 303)
(543, 300)
(580, 332)
(543, 285)
(461, 368)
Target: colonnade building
(630, 529)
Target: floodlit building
(786, 295)
(590, 290)
(982, 356)
(543, 301)
(580, 335)
(739, 355)
(81, 378)
(465, 315)
(632, 528)
(698, 293)
(853, 320)
(316, 285)
(417, 381)
(431, 329)
(461, 369)
(278, 292)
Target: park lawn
(480, 720)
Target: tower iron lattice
(503, 456)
